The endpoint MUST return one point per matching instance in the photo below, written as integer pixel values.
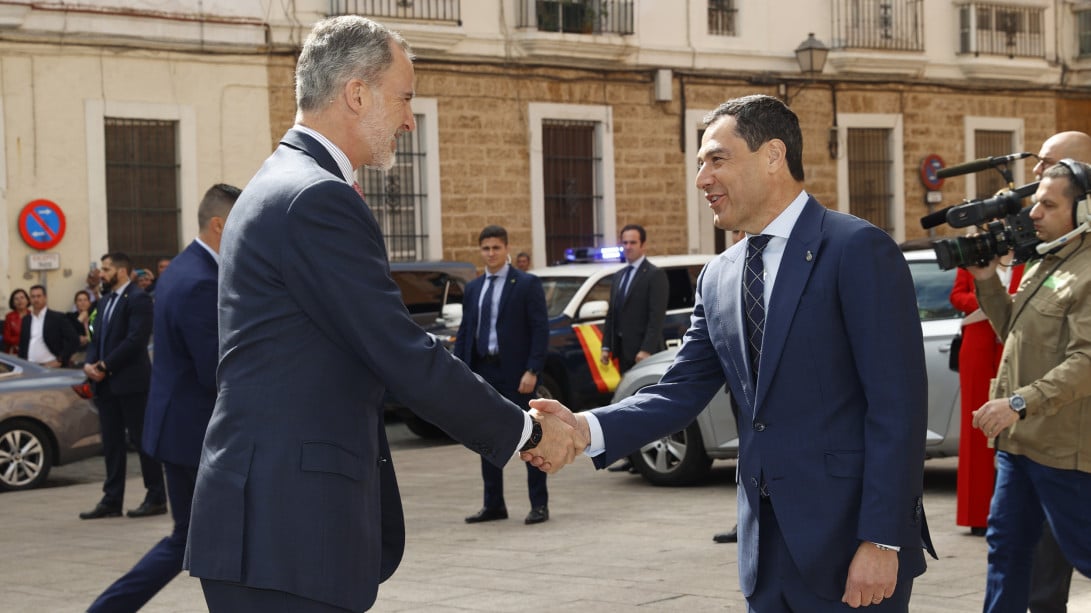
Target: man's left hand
(528, 383)
(873, 574)
(994, 417)
(640, 355)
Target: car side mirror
(451, 316)
(594, 309)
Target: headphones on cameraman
(1081, 207)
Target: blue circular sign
(42, 224)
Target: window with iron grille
(998, 29)
(879, 24)
(573, 197)
(399, 197)
(416, 10)
(870, 182)
(721, 17)
(577, 16)
(142, 212)
(1083, 32)
(989, 143)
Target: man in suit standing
(46, 337)
(828, 373)
(119, 369)
(183, 392)
(638, 304)
(296, 506)
(503, 337)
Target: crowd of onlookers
(34, 332)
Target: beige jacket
(1047, 356)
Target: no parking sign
(41, 224)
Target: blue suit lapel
(505, 295)
(795, 269)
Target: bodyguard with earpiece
(1039, 420)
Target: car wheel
(26, 455)
(549, 389)
(678, 459)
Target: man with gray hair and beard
(296, 506)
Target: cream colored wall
(54, 99)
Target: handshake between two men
(564, 436)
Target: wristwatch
(535, 436)
(1019, 405)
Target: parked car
(578, 301)
(686, 456)
(432, 291)
(46, 419)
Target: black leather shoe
(101, 510)
(732, 536)
(537, 515)
(621, 467)
(487, 514)
(147, 509)
(977, 531)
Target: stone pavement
(613, 544)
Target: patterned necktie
(484, 325)
(754, 298)
(359, 190)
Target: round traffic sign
(930, 165)
(41, 224)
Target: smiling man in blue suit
(296, 507)
(812, 322)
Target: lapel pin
(809, 256)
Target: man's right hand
(580, 433)
(560, 443)
(605, 357)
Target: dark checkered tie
(754, 298)
(484, 325)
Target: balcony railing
(577, 16)
(1001, 29)
(896, 25)
(442, 11)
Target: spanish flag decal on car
(606, 376)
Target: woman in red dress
(977, 364)
(19, 303)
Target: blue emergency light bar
(612, 253)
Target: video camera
(1006, 227)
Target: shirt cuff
(886, 547)
(598, 442)
(527, 425)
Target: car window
(422, 290)
(559, 292)
(681, 284)
(933, 291)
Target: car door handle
(945, 348)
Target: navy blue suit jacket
(125, 346)
(836, 423)
(296, 490)
(183, 385)
(522, 327)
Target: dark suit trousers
(1050, 576)
(117, 414)
(224, 597)
(162, 562)
(492, 476)
(780, 587)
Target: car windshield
(933, 290)
(559, 292)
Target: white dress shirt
(37, 351)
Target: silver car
(685, 457)
(46, 419)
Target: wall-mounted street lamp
(811, 55)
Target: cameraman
(1040, 418)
